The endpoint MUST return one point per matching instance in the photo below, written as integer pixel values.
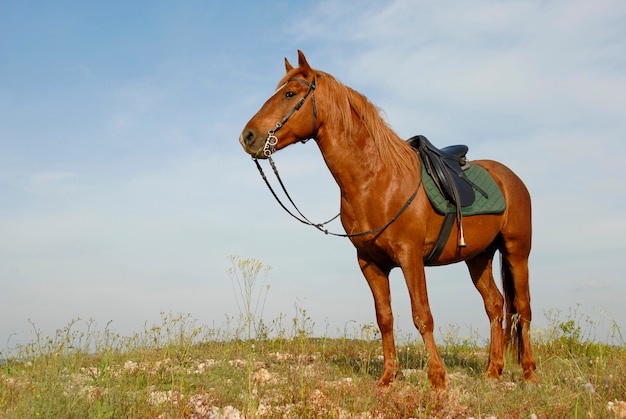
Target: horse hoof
(438, 383)
(494, 374)
(387, 379)
(530, 377)
(437, 376)
(383, 383)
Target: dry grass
(180, 370)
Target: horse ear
(303, 64)
(288, 65)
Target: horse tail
(513, 331)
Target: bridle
(271, 141)
(270, 147)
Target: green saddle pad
(495, 204)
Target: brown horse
(377, 173)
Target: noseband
(272, 140)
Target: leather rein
(270, 147)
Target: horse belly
(481, 233)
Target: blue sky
(124, 189)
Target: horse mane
(395, 153)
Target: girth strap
(442, 239)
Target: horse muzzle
(253, 144)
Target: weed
(178, 368)
(250, 292)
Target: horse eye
(289, 94)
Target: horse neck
(350, 158)
(355, 158)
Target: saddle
(447, 168)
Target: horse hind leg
(515, 246)
(518, 313)
(480, 268)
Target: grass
(250, 368)
(178, 369)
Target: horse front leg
(378, 280)
(423, 319)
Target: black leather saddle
(446, 166)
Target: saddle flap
(446, 167)
(448, 174)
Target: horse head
(287, 117)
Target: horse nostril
(248, 137)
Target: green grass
(179, 369)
